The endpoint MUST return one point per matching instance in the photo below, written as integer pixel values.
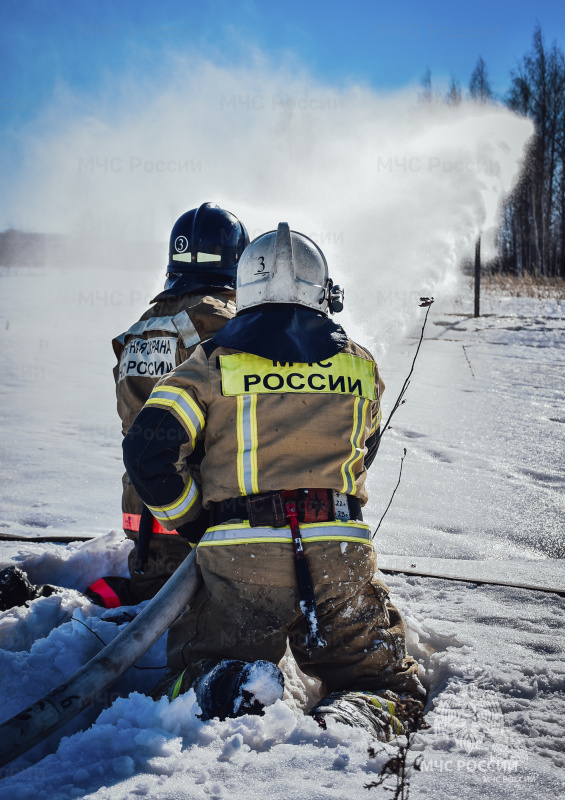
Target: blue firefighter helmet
(204, 250)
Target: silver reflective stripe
(246, 533)
(176, 510)
(186, 329)
(331, 531)
(249, 445)
(173, 394)
(153, 324)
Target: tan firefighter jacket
(164, 337)
(268, 426)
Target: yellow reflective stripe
(229, 526)
(180, 506)
(343, 374)
(359, 411)
(173, 406)
(311, 532)
(240, 445)
(247, 441)
(254, 440)
(261, 540)
(178, 400)
(335, 539)
(186, 402)
(377, 422)
(281, 540)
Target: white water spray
(394, 192)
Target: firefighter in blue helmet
(205, 246)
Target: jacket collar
(283, 332)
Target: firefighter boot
(234, 688)
(375, 712)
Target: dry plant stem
(424, 302)
(468, 362)
(392, 496)
(398, 768)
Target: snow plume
(394, 191)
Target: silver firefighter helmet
(285, 266)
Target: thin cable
(74, 619)
(424, 302)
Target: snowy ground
(484, 428)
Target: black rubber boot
(374, 712)
(234, 688)
(229, 689)
(15, 588)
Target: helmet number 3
(181, 243)
(261, 269)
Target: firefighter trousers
(248, 607)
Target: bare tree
(453, 96)
(479, 85)
(560, 256)
(426, 93)
(535, 222)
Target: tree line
(532, 226)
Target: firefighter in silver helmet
(290, 409)
(205, 246)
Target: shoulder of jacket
(212, 305)
(357, 350)
(152, 327)
(213, 351)
(205, 318)
(193, 367)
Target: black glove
(194, 531)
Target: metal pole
(478, 277)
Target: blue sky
(72, 62)
(49, 43)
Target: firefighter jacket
(164, 337)
(268, 426)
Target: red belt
(130, 522)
